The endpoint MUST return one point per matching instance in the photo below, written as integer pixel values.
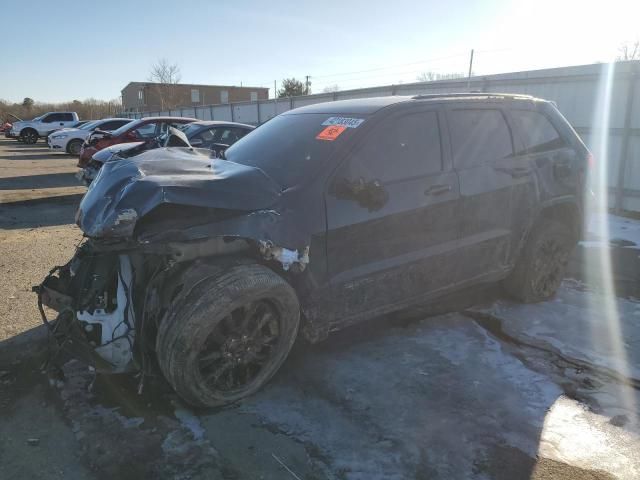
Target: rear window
(538, 134)
(479, 136)
(89, 125)
(290, 148)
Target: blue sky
(63, 50)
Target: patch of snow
(190, 422)
(618, 229)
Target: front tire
(228, 336)
(74, 147)
(542, 263)
(29, 136)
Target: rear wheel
(542, 264)
(74, 147)
(29, 136)
(228, 335)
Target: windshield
(89, 125)
(289, 148)
(126, 127)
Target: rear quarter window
(478, 137)
(537, 132)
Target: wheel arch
(564, 211)
(26, 129)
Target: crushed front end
(153, 225)
(100, 306)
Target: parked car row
(70, 140)
(204, 269)
(152, 132)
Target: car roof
(147, 119)
(111, 119)
(358, 105)
(373, 104)
(211, 123)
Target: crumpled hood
(126, 190)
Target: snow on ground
(620, 230)
(580, 324)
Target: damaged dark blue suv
(326, 215)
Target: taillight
(591, 161)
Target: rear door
(392, 217)
(552, 158)
(495, 188)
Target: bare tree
(433, 76)
(165, 76)
(331, 88)
(629, 51)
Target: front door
(391, 218)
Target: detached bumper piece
(96, 320)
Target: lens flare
(603, 307)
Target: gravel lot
(490, 391)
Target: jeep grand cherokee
(324, 216)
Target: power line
(392, 66)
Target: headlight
(58, 137)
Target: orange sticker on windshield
(331, 132)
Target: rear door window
(66, 117)
(478, 136)
(401, 147)
(537, 132)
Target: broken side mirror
(368, 194)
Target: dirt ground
(491, 390)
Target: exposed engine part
(285, 256)
(114, 332)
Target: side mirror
(371, 195)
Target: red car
(145, 129)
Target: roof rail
(472, 94)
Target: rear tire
(227, 336)
(74, 146)
(542, 263)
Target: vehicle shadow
(45, 155)
(50, 180)
(27, 150)
(39, 212)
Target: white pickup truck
(29, 131)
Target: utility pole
(470, 69)
(306, 87)
(275, 89)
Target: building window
(224, 96)
(195, 95)
(254, 96)
(141, 96)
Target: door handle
(515, 172)
(437, 190)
